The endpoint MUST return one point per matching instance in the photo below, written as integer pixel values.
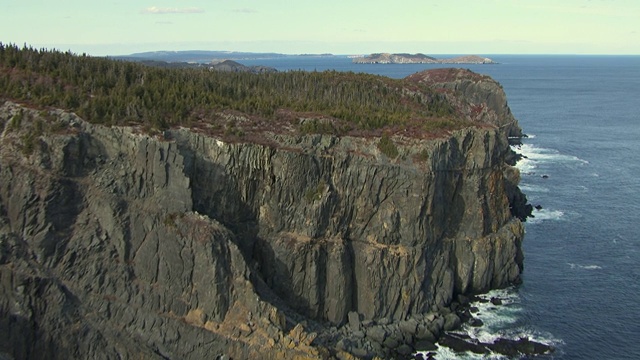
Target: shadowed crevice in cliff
(519, 206)
(215, 193)
(313, 276)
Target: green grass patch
(388, 147)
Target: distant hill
(203, 56)
(219, 65)
(386, 58)
(232, 66)
(198, 56)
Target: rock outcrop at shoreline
(118, 243)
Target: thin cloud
(161, 11)
(245, 11)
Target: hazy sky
(331, 26)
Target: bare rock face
(114, 243)
(383, 238)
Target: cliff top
(449, 75)
(234, 104)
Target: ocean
(581, 289)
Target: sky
(484, 27)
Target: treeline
(113, 92)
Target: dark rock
(538, 207)
(425, 345)
(475, 322)
(431, 356)
(423, 333)
(454, 306)
(377, 334)
(496, 301)
(367, 323)
(463, 300)
(461, 344)
(451, 322)
(523, 346)
(354, 321)
(436, 327)
(392, 342)
(360, 352)
(404, 350)
(409, 326)
(464, 315)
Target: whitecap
(592, 267)
(584, 267)
(544, 215)
(526, 166)
(528, 188)
(444, 353)
(532, 156)
(542, 154)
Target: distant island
(386, 58)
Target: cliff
(115, 243)
(478, 97)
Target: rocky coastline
(420, 337)
(119, 243)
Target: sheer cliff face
(335, 226)
(113, 242)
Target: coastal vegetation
(113, 92)
(387, 146)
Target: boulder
(451, 322)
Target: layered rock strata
(115, 243)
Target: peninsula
(189, 213)
(386, 58)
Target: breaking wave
(499, 321)
(584, 267)
(545, 215)
(533, 157)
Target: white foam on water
(499, 321)
(494, 317)
(542, 154)
(533, 156)
(584, 267)
(444, 353)
(526, 166)
(545, 215)
(526, 136)
(528, 188)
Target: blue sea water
(581, 289)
